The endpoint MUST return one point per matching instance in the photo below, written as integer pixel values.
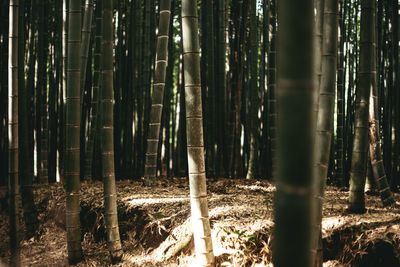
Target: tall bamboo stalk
(220, 92)
(72, 134)
(194, 129)
(86, 30)
(361, 124)
(64, 87)
(13, 168)
(93, 125)
(210, 133)
(107, 139)
(396, 108)
(265, 145)
(85, 92)
(4, 10)
(42, 99)
(150, 168)
(387, 92)
(168, 98)
(53, 91)
(326, 105)
(295, 132)
(253, 168)
(119, 84)
(271, 69)
(340, 97)
(319, 22)
(375, 153)
(29, 90)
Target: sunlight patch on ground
(152, 201)
(141, 260)
(332, 222)
(256, 187)
(332, 263)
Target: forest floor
(155, 228)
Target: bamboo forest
(199, 133)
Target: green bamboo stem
(295, 132)
(220, 92)
(144, 90)
(194, 130)
(43, 137)
(271, 69)
(340, 98)
(137, 90)
(168, 99)
(318, 29)
(265, 154)
(72, 134)
(211, 108)
(64, 89)
(107, 138)
(86, 30)
(326, 105)
(13, 168)
(85, 44)
(150, 168)
(93, 125)
(396, 108)
(319, 22)
(375, 153)
(361, 124)
(253, 169)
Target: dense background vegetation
(238, 70)
(131, 109)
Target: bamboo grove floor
(155, 228)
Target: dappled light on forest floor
(258, 188)
(156, 230)
(152, 201)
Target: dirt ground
(155, 228)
